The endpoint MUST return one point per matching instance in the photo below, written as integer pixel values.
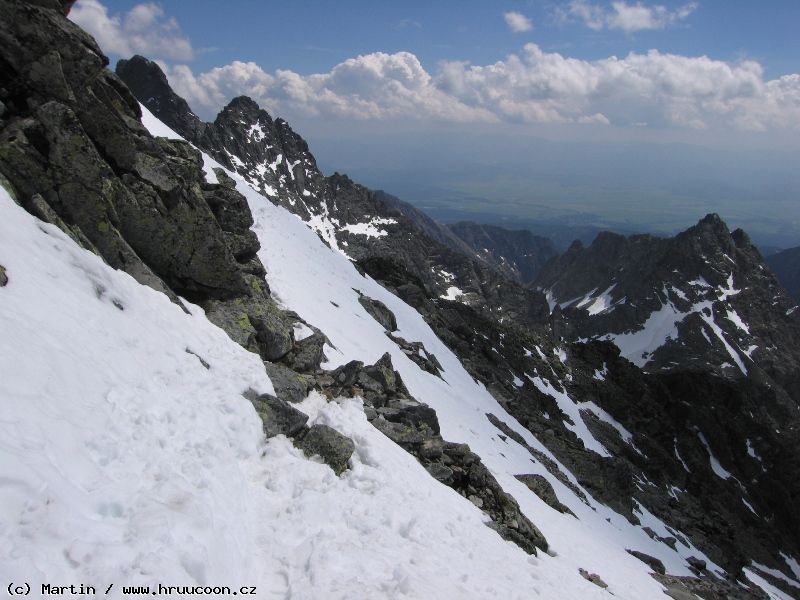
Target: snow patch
(659, 327)
(369, 229)
(718, 469)
(453, 293)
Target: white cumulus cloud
(142, 30)
(623, 16)
(652, 89)
(517, 22)
(533, 86)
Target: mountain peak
(149, 83)
(244, 104)
(712, 222)
(712, 219)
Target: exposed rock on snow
(331, 446)
(379, 312)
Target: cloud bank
(623, 16)
(652, 89)
(143, 30)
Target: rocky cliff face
(74, 151)
(519, 255)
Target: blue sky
(311, 36)
(374, 86)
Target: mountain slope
(520, 255)
(561, 379)
(350, 218)
(701, 300)
(134, 458)
(342, 369)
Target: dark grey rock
(331, 446)
(696, 564)
(404, 435)
(651, 561)
(347, 374)
(418, 354)
(542, 488)
(254, 322)
(308, 353)
(709, 588)
(289, 385)
(379, 311)
(3, 276)
(382, 373)
(278, 416)
(440, 472)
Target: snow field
(120, 451)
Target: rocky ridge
(703, 300)
(358, 222)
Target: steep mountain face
(702, 300)
(75, 154)
(430, 416)
(786, 266)
(348, 217)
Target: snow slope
(317, 283)
(125, 460)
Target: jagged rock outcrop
(350, 218)
(415, 427)
(702, 300)
(331, 446)
(76, 154)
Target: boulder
(539, 485)
(379, 311)
(289, 386)
(308, 353)
(331, 446)
(278, 416)
(651, 561)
